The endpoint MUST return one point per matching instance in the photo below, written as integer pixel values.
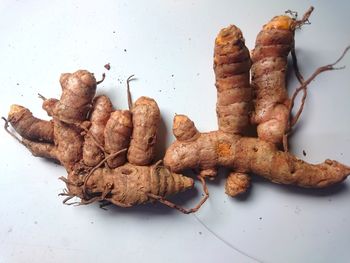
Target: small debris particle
(200, 232)
(35, 222)
(9, 230)
(197, 74)
(107, 66)
(189, 39)
(17, 84)
(160, 90)
(304, 153)
(125, 50)
(172, 75)
(329, 199)
(91, 222)
(113, 32)
(21, 95)
(341, 153)
(260, 218)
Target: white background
(168, 45)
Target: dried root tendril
(130, 78)
(304, 20)
(103, 78)
(6, 127)
(303, 87)
(166, 202)
(85, 194)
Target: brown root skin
(69, 143)
(145, 122)
(78, 91)
(273, 44)
(117, 135)
(49, 105)
(251, 155)
(41, 149)
(94, 139)
(236, 184)
(28, 126)
(234, 95)
(231, 67)
(127, 185)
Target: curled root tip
(6, 121)
(6, 127)
(130, 78)
(103, 78)
(41, 97)
(304, 86)
(305, 19)
(340, 58)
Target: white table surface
(168, 45)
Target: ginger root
(228, 146)
(90, 139)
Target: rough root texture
(28, 126)
(128, 184)
(231, 67)
(250, 155)
(237, 183)
(145, 121)
(273, 44)
(94, 139)
(90, 139)
(228, 147)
